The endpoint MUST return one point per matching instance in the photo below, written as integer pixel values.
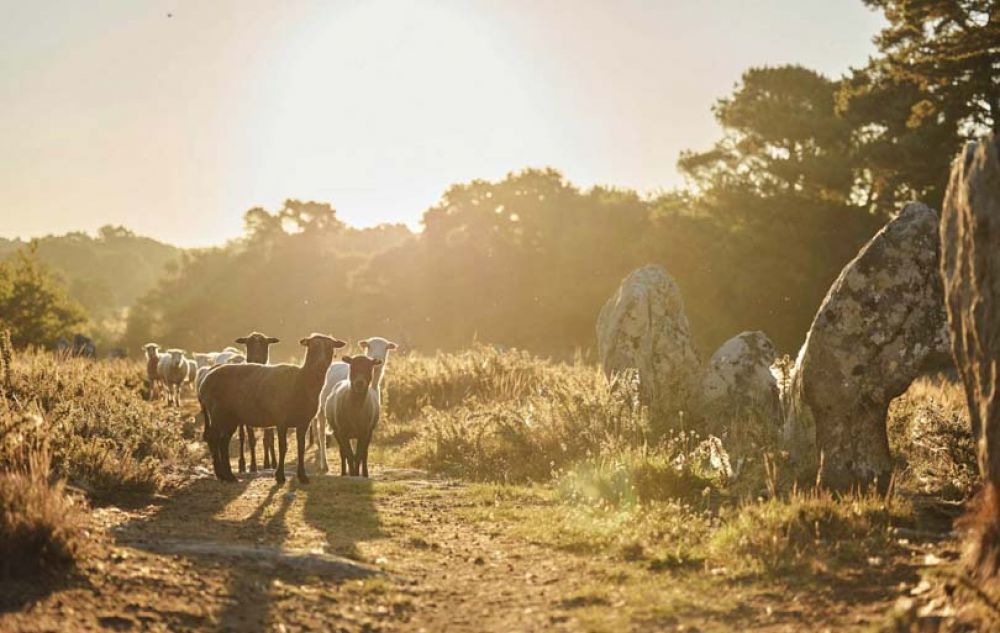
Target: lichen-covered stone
(970, 267)
(643, 326)
(878, 327)
(740, 394)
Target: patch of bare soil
(394, 553)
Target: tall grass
(102, 435)
(504, 416)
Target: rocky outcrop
(878, 327)
(739, 393)
(970, 268)
(643, 326)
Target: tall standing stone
(643, 326)
(880, 323)
(970, 268)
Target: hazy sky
(113, 112)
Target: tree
(33, 304)
(949, 48)
(935, 85)
(779, 188)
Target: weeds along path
(399, 552)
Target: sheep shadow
(255, 529)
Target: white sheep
(375, 347)
(228, 356)
(153, 357)
(172, 371)
(353, 411)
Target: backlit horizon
(175, 126)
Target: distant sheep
(172, 370)
(352, 411)
(229, 355)
(285, 396)
(153, 357)
(374, 347)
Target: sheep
(172, 371)
(153, 357)
(206, 359)
(352, 411)
(229, 355)
(257, 345)
(374, 347)
(192, 371)
(285, 396)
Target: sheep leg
(279, 471)
(345, 454)
(252, 435)
(363, 454)
(227, 467)
(320, 427)
(243, 462)
(300, 441)
(268, 448)
(353, 459)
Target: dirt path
(398, 552)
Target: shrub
(929, 434)
(101, 435)
(41, 529)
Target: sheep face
(176, 355)
(320, 348)
(376, 347)
(151, 350)
(257, 345)
(362, 371)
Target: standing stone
(643, 326)
(740, 394)
(878, 327)
(970, 267)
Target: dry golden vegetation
(554, 458)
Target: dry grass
(102, 435)
(929, 435)
(77, 420)
(41, 528)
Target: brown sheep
(284, 396)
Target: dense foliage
(34, 306)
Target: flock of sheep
(243, 391)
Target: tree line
(806, 169)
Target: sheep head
(376, 347)
(320, 348)
(151, 349)
(362, 370)
(257, 345)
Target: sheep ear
(338, 343)
(242, 340)
(346, 359)
(377, 362)
(363, 344)
(304, 341)
(273, 340)
(391, 345)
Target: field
(509, 493)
